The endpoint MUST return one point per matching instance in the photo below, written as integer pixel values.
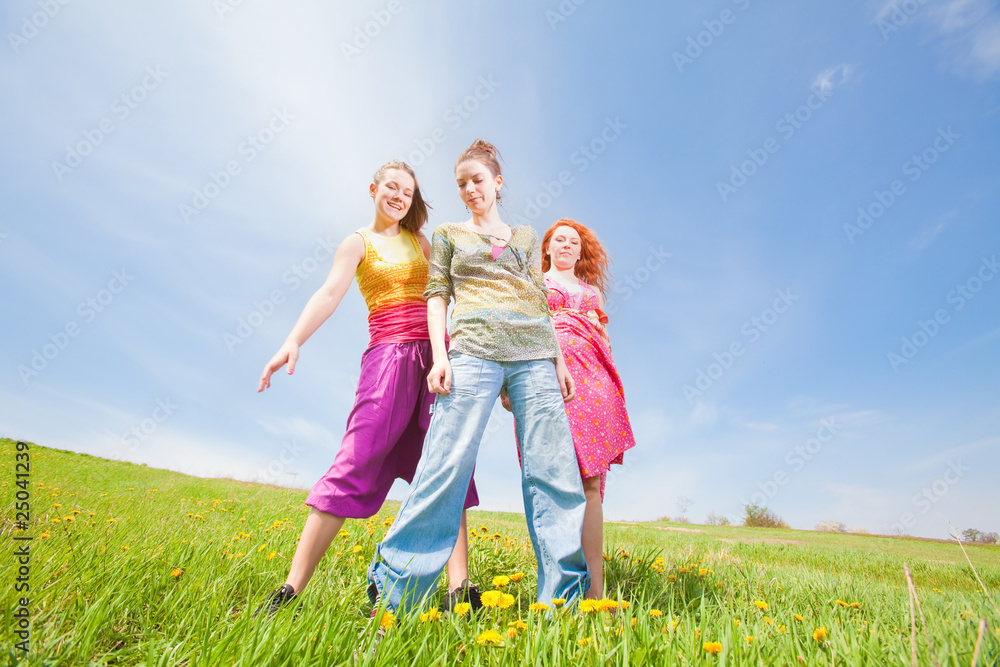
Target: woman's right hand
(439, 378)
(288, 354)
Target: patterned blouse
(501, 309)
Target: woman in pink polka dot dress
(576, 273)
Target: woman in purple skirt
(386, 427)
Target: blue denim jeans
(409, 560)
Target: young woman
(576, 273)
(386, 427)
(501, 337)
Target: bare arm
(319, 308)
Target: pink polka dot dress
(597, 416)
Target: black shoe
(466, 592)
(278, 599)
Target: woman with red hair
(576, 272)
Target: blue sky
(169, 173)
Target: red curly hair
(592, 267)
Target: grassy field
(135, 566)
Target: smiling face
(477, 186)
(393, 194)
(564, 248)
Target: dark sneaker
(466, 592)
(278, 599)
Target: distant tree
(989, 538)
(757, 516)
(683, 503)
(831, 527)
(970, 535)
(713, 519)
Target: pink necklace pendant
(497, 251)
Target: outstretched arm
(319, 308)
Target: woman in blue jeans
(501, 340)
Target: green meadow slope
(113, 563)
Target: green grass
(109, 538)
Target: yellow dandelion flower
(461, 608)
(760, 604)
(672, 577)
(607, 557)
(506, 601)
(489, 637)
(388, 620)
(712, 647)
(781, 628)
(177, 573)
(633, 621)
(484, 529)
(936, 590)
(798, 617)
(655, 613)
(624, 604)
(57, 505)
(124, 547)
(584, 641)
(511, 633)
(491, 598)
(855, 605)
(500, 581)
(343, 533)
(517, 576)
(388, 522)
(748, 639)
(587, 606)
(518, 624)
(768, 621)
(558, 602)
(430, 615)
(736, 622)
(842, 603)
(261, 548)
(356, 549)
(70, 518)
(538, 606)
(820, 634)
(56, 520)
(271, 555)
(43, 535)
(703, 571)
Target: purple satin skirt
(385, 432)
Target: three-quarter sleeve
(439, 271)
(534, 261)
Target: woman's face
(477, 186)
(564, 248)
(393, 194)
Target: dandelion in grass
(538, 606)
(43, 535)
(57, 505)
(584, 641)
(484, 529)
(124, 547)
(748, 639)
(491, 599)
(736, 622)
(855, 605)
(388, 620)
(511, 633)
(558, 602)
(462, 608)
(782, 628)
(271, 555)
(768, 620)
(655, 613)
(760, 604)
(820, 634)
(356, 549)
(712, 647)
(798, 617)
(489, 637)
(842, 603)
(176, 574)
(517, 576)
(588, 606)
(506, 601)
(624, 604)
(430, 615)
(500, 581)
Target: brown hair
(416, 217)
(592, 267)
(485, 152)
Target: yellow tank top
(394, 270)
